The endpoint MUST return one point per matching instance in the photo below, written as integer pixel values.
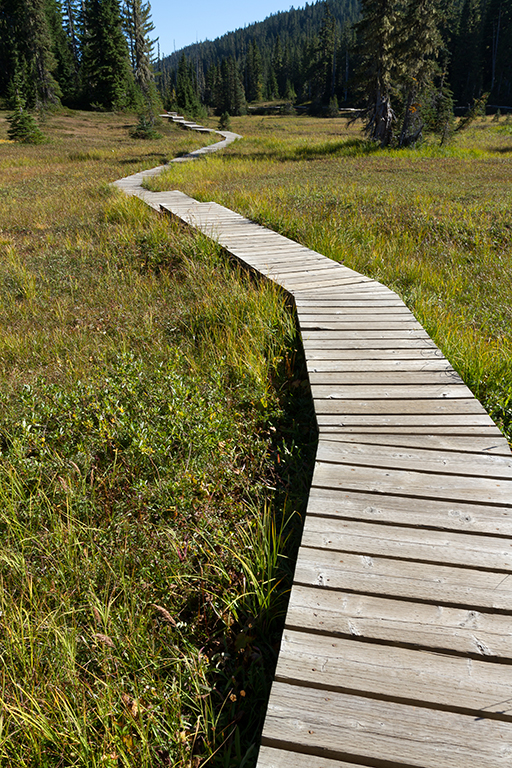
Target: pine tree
(138, 26)
(106, 74)
(497, 51)
(26, 48)
(325, 67)
(230, 93)
(66, 69)
(466, 71)
(416, 50)
(186, 87)
(23, 127)
(376, 46)
(253, 67)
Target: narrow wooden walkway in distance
(397, 648)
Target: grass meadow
(432, 223)
(156, 437)
(156, 433)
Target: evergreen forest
(91, 54)
(443, 54)
(406, 63)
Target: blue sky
(182, 22)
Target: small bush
(24, 127)
(333, 108)
(225, 122)
(145, 129)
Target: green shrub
(145, 129)
(225, 122)
(24, 127)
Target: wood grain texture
(444, 462)
(476, 446)
(407, 543)
(282, 758)
(391, 508)
(421, 485)
(344, 725)
(400, 673)
(401, 622)
(367, 573)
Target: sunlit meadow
(433, 223)
(155, 438)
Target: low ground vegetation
(155, 438)
(155, 426)
(433, 223)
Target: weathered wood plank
(282, 758)
(400, 341)
(409, 483)
(399, 406)
(293, 268)
(385, 540)
(368, 290)
(474, 445)
(488, 430)
(436, 373)
(403, 622)
(404, 579)
(340, 300)
(396, 420)
(445, 462)
(396, 311)
(317, 278)
(366, 335)
(333, 281)
(399, 673)
(429, 513)
(346, 726)
(362, 325)
(391, 390)
(316, 355)
(353, 370)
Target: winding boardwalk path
(397, 648)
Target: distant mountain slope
(290, 27)
(307, 55)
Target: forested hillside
(313, 54)
(408, 63)
(93, 53)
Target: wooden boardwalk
(397, 648)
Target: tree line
(407, 63)
(437, 53)
(81, 53)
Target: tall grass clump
(155, 445)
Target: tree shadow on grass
(343, 148)
(503, 150)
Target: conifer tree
(186, 87)
(26, 48)
(376, 46)
(138, 26)
(230, 93)
(254, 87)
(466, 73)
(23, 126)
(416, 49)
(497, 49)
(66, 66)
(106, 74)
(325, 68)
